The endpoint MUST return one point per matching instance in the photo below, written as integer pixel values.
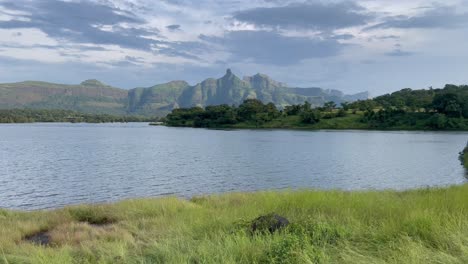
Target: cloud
(342, 36)
(125, 74)
(315, 16)
(303, 42)
(89, 22)
(271, 47)
(387, 37)
(83, 22)
(399, 53)
(437, 17)
(173, 27)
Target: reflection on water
(52, 165)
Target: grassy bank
(421, 226)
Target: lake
(52, 165)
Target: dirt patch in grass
(73, 233)
(40, 238)
(77, 233)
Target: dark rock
(40, 238)
(270, 222)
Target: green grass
(351, 121)
(420, 226)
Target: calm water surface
(52, 165)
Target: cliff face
(230, 90)
(96, 97)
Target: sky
(354, 45)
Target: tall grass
(420, 226)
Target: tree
(345, 105)
(341, 113)
(249, 108)
(306, 106)
(437, 121)
(260, 118)
(447, 103)
(329, 106)
(272, 111)
(310, 116)
(292, 109)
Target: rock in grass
(269, 223)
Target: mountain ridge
(93, 96)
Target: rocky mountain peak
(92, 83)
(228, 73)
(262, 80)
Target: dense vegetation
(433, 109)
(420, 226)
(464, 157)
(46, 115)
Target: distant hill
(92, 96)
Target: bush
(310, 116)
(342, 113)
(437, 121)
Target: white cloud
(135, 36)
(25, 37)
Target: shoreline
(232, 128)
(321, 129)
(214, 195)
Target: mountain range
(92, 96)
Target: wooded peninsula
(407, 109)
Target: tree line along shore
(58, 115)
(433, 109)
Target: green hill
(90, 96)
(156, 99)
